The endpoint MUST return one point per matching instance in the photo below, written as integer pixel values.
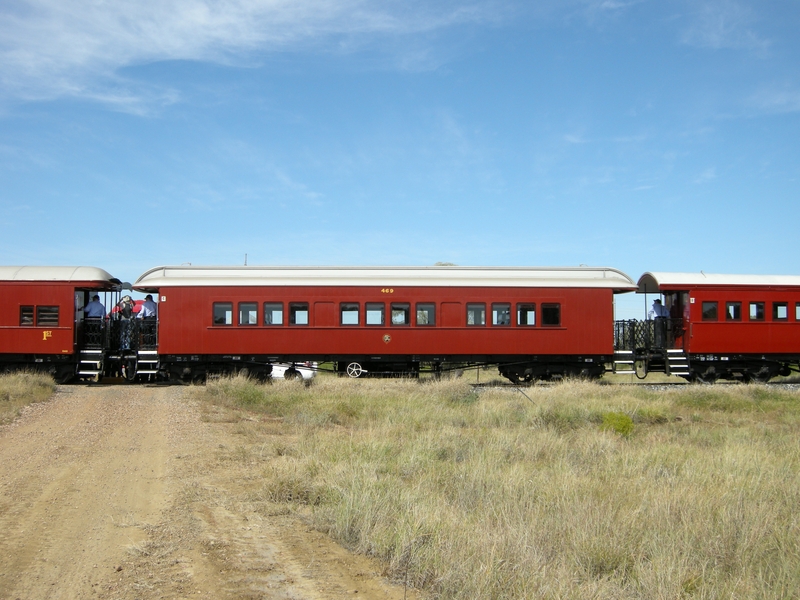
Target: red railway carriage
(743, 327)
(532, 322)
(42, 324)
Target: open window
(273, 313)
(501, 314)
(733, 311)
(248, 313)
(223, 313)
(476, 314)
(349, 313)
(526, 315)
(780, 311)
(298, 313)
(401, 313)
(756, 311)
(426, 314)
(376, 313)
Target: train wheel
(354, 370)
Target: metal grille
(94, 333)
(647, 335)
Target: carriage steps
(147, 362)
(90, 363)
(623, 362)
(677, 362)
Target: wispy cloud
(719, 24)
(52, 48)
(776, 101)
(707, 175)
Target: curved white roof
(579, 277)
(653, 282)
(56, 274)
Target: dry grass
(581, 491)
(17, 390)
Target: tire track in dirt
(118, 492)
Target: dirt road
(125, 492)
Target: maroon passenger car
(42, 321)
(741, 327)
(534, 323)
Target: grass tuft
(17, 390)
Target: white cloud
(722, 24)
(52, 48)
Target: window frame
(294, 309)
(373, 307)
(471, 308)
(269, 308)
(496, 308)
(736, 305)
(27, 315)
(758, 304)
(547, 306)
(520, 307)
(400, 307)
(240, 307)
(349, 308)
(775, 307)
(430, 309)
(707, 307)
(214, 306)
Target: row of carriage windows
(422, 314)
(38, 316)
(756, 311)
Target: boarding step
(623, 362)
(677, 362)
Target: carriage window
(401, 314)
(501, 314)
(709, 311)
(47, 316)
(426, 314)
(476, 314)
(273, 313)
(248, 313)
(780, 311)
(756, 311)
(526, 314)
(733, 311)
(223, 313)
(375, 313)
(349, 312)
(298, 313)
(26, 316)
(551, 315)
(797, 311)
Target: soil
(135, 492)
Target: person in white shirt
(659, 310)
(95, 308)
(149, 309)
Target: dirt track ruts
(113, 492)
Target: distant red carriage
(740, 327)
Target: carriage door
(80, 302)
(678, 305)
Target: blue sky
(644, 135)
